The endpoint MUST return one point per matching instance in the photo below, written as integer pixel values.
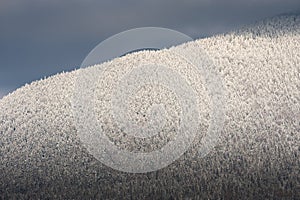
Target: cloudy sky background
(39, 38)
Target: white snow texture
(257, 155)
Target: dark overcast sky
(39, 38)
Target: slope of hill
(257, 156)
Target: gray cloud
(5, 91)
(59, 19)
